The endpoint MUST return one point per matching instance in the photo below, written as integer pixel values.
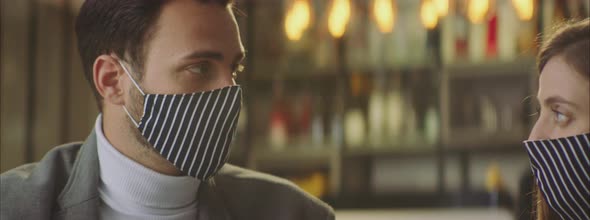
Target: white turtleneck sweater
(129, 190)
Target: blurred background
(385, 109)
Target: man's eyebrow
(558, 99)
(209, 54)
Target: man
(162, 72)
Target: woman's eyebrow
(558, 99)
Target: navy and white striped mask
(192, 131)
(562, 172)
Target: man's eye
(239, 69)
(200, 68)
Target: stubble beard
(136, 111)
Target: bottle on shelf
(354, 120)
(447, 38)
(395, 107)
(279, 119)
(432, 125)
(317, 123)
(489, 115)
(507, 27)
(302, 108)
(336, 123)
(411, 131)
(354, 125)
(477, 41)
(492, 36)
(461, 31)
(377, 114)
(494, 184)
(356, 38)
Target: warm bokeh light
(383, 13)
(428, 14)
(493, 178)
(297, 19)
(477, 10)
(524, 8)
(338, 18)
(442, 7)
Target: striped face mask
(192, 131)
(562, 171)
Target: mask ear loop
(129, 115)
(131, 77)
(136, 86)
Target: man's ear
(108, 79)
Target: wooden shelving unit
(336, 160)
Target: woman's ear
(107, 75)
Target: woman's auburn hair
(571, 40)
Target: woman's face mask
(562, 172)
(559, 160)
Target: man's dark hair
(122, 27)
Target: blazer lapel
(211, 205)
(79, 198)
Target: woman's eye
(560, 117)
(200, 68)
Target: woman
(559, 144)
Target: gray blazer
(63, 185)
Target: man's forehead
(187, 35)
(197, 26)
(188, 9)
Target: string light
(442, 7)
(339, 17)
(428, 14)
(477, 10)
(297, 19)
(384, 15)
(524, 9)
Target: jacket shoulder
(247, 190)
(28, 189)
